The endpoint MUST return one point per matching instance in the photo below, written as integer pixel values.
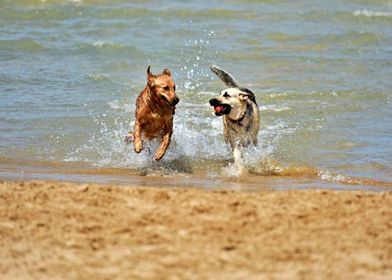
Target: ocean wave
(284, 37)
(49, 2)
(121, 106)
(99, 76)
(103, 78)
(353, 38)
(28, 45)
(274, 108)
(215, 13)
(349, 180)
(368, 13)
(107, 46)
(296, 95)
(270, 167)
(102, 44)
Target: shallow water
(70, 72)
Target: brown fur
(155, 108)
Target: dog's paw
(138, 146)
(128, 138)
(159, 154)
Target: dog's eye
(226, 94)
(174, 88)
(166, 88)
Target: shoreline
(63, 230)
(292, 177)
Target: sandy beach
(312, 200)
(58, 230)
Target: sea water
(70, 72)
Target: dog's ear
(247, 94)
(150, 76)
(166, 72)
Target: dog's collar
(238, 121)
(243, 114)
(248, 110)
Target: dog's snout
(175, 101)
(170, 101)
(213, 102)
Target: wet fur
(155, 108)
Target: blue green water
(70, 72)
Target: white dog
(241, 118)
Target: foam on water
(368, 13)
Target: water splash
(199, 56)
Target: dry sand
(56, 230)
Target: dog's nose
(213, 102)
(175, 101)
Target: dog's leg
(238, 160)
(164, 145)
(137, 138)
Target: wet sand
(58, 230)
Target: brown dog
(155, 107)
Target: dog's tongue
(218, 109)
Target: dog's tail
(225, 77)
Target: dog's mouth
(220, 109)
(172, 102)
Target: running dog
(237, 105)
(155, 108)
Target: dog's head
(232, 102)
(162, 88)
